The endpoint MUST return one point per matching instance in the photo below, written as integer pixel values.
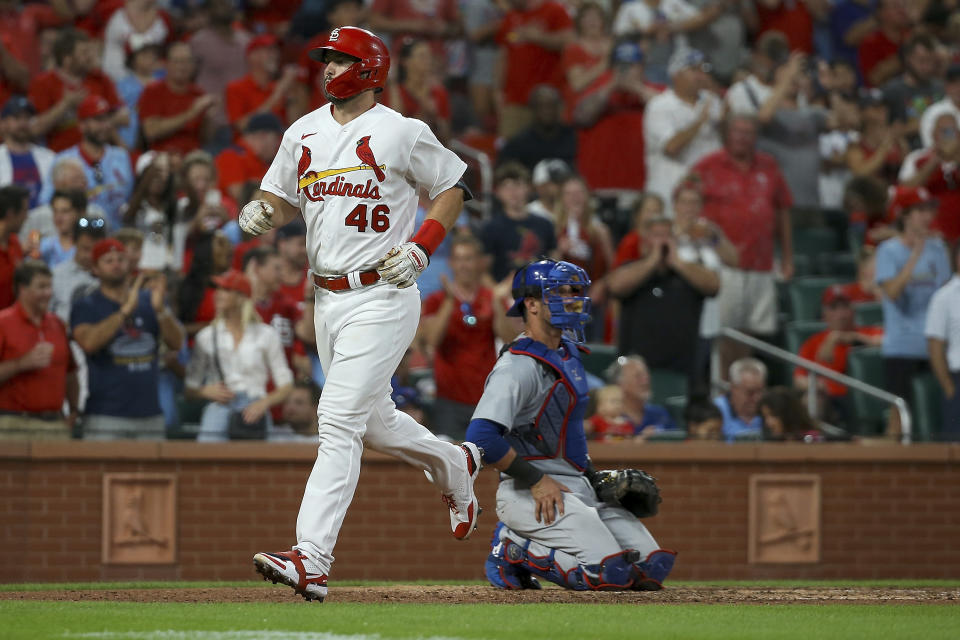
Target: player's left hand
(403, 264)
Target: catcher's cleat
(288, 567)
(464, 506)
(501, 572)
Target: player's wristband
(523, 472)
(429, 235)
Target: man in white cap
(681, 125)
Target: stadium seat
(866, 364)
(798, 331)
(667, 384)
(813, 241)
(669, 435)
(803, 265)
(601, 356)
(868, 314)
(927, 418)
(676, 405)
(805, 295)
(839, 264)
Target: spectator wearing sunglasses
(460, 326)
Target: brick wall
(887, 511)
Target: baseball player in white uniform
(353, 168)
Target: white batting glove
(403, 264)
(256, 217)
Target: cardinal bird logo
(304, 163)
(366, 156)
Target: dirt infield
(473, 594)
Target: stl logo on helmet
(334, 35)
(315, 186)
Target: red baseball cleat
(288, 567)
(464, 506)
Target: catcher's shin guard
(500, 572)
(654, 570)
(614, 572)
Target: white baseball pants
(362, 334)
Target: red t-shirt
(237, 165)
(606, 431)
(445, 11)
(629, 249)
(9, 259)
(41, 389)
(206, 311)
(528, 64)
(943, 187)
(838, 362)
(95, 20)
(46, 90)
(873, 50)
(243, 96)
(282, 314)
(574, 55)
(745, 203)
(610, 153)
(159, 101)
(241, 250)
(467, 353)
(792, 19)
(20, 31)
(295, 292)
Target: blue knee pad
(502, 573)
(654, 570)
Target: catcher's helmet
(542, 280)
(368, 72)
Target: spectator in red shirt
(57, 93)
(832, 346)
(587, 58)
(746, 195)
(937, 171)
(877, 55)
(610, 116)
(241, 167)
(647, 207)
(790, 17)
(175, 112)
(460, 326)
(436, 21)
(211, 257)
(418, 93)
(531, 37)
(13, 212)
(292, 247)
(261, 265)
(265, 88)
(37, 370)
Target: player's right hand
(548, 496)
(256, 217)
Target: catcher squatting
(560, 519)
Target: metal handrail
(486, 174)
(816, 369)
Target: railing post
(812, 394)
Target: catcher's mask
(371, 66)
(546, 280)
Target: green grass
(93, 586)
(331, 621)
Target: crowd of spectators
(675, 149)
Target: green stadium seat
(798, 331)
(803, 265)
(869, 414)
(806, 293)
(676, 405)
(854, 241)
(840, 265)
(667, 384)
(868, 314)
(927, 396)
(669, 435)
(814, 241)
(601, 356)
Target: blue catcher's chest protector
(557, 431)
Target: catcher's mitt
(634, 490)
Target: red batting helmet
(370, 70)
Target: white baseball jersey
(357, 183)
